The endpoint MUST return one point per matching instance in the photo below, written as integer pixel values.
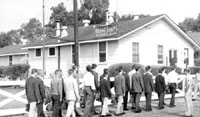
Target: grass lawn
(14, 103)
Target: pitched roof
(195, 36)
(12, 50)
(88, 33)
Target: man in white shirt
(173, 78)
(130, 78)
(89, 89)
(197, 86)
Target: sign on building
(106, 30)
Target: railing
(18, 96)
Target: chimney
(86, 22)
(58, 28)
(136, 17)
(64, 31)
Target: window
(160, 54)
(10, 60)
(38, 52)
(135, 46)
(73, 54)
(102, 51)
(186, 56)
(52, 51)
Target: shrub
(127, 67)
(14, 71)
(194, 70)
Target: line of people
(67, 91)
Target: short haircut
(94, 66)
(160, 70)
(137, 68)
(148, 68)
(105, 71)
(70, 71)
(133, 66)
(58, 70)
(39, 72)
(74, 67)
(33, 71)
(163, 68)
(120, 69)
(88, 68)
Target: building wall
(159, 33)
(4, 61)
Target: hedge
(128, 67)
(14, 71)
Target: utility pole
(76, 43)
(43, 36)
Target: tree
(5, 40)
(94, 10)
(189, 24)
(32, 30)
(15, 36)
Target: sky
(13, 13)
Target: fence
(18, 96)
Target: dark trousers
(133, 99)
(125, 100)
(137, 100)
(56, 112)
(148, 101)
(160, 99)
(40, 111)
(89, 97)
(172, 88)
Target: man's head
(133, 66)
(120, 69)
(70, 72)
(94, 66)
(105, 71)
(148, 68)
(88, 68)
(160, 70)
(39, 73)
(137, 68)
(74, 68)
(58, 72)
(34, 71)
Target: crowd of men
(66, 91)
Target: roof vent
(86, 22)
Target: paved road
(178, 111)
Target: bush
(194, 70)
(14, 71)
(127, 67)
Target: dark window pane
(160, 61)
(38, 52)
(52, 51)
(10, 60)
(102, 57)
(102, 46)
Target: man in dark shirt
(32, 92)
(105, 93)
(148, 87)
(160, 88)
(127, 88)
(41, 93)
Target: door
(172, 57)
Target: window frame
(10, 62)
(49, 52)
(136, 54)
(160, 53)
(101, 52)
(40, 52)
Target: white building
(154, 40)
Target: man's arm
(36, 90)
(42, 89)
(60, 89)
(151, 82)
(128, 82)
(141, 82)
(76, 89)
(123, 85)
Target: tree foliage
(32, 30)
(5, 39)
(190, 24)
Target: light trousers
(188, 103)
(32, 110)
(70, 109)
(105, 110)
(196, 90)
(119, 105)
